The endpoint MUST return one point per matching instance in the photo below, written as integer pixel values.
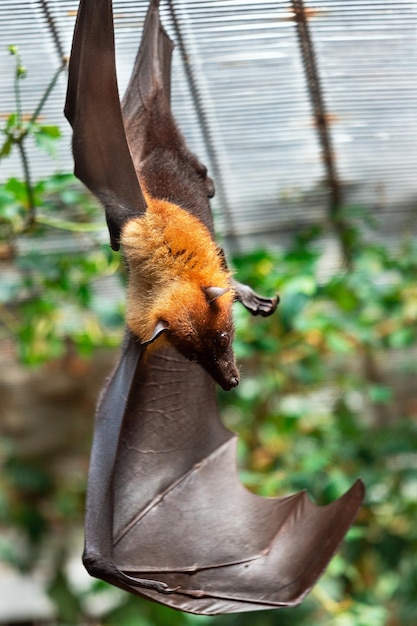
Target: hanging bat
(167, 518)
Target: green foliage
(50, 297)
(69, 606)
(52, 253)
(47, 296)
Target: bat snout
(223, 370)
(228, 377)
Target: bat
(166, 517)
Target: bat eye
(223, 340)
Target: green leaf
(6, 148)
(305, 285)
(338, 343)
(401, 338)
(46, 138)
(10, 122)
(380, 394)
(50, 131)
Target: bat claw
(172, 589)
(155, 585)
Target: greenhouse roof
(268, 93)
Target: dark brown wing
(101, 153)
(167, 517)
(150, 81)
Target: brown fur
(171, 258)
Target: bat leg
(253, 302)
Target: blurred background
(306, 116)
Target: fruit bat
(167, 518)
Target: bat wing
(103, 161)
(150, 82)
(167, 517)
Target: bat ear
(212, 293)
(160, 327)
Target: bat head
(198, 322)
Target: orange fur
(171, 257)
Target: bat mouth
(230, 384)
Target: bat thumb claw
(172, 589)
(147, 583)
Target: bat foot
(253, 302)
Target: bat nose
(230, 382)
